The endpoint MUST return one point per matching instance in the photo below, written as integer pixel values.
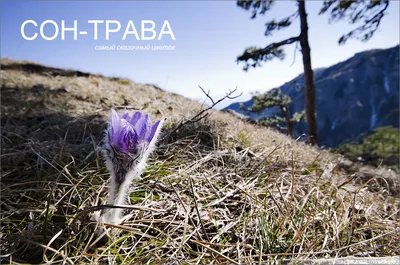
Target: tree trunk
(308, 76)
(285, 111)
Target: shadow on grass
(51, 170)
(201, 133)
(42, 146)
(36, 125)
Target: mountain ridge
(339, 90)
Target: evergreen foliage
(380, 147)
(275, 98)
(368, 13)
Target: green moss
(314, 166)
(142, 195)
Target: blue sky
(209, 35)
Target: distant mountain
(353, 97)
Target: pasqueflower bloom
(127, 144)
(127, 140)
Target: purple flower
(128, 143)
(126, 134)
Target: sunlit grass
(218, 191)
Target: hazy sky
(209, 35)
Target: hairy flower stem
(128, 144)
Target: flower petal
(126, 132)
(136, 117)
(153, 131)
(128, 138)
(142, 126)
(125, 115)
(114, 126)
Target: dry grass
(219, 191)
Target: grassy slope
(222, 190)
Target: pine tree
(274, 98)
(370, 12)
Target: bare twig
(204, 113)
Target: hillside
(216, 191)
(353, 97)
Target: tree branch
(355, 11)
(207, 94)
(204, 113)
(283, 23)
(262, 5)
(294, 55)
(371, 25)
(267, 53)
